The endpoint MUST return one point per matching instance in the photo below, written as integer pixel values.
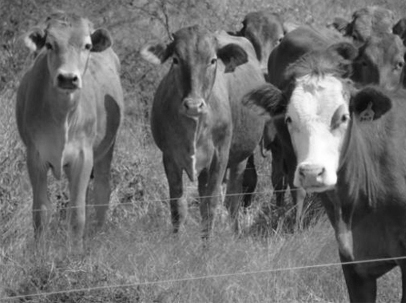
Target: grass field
(135, 257)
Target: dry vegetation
(135, 258)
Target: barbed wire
(215, 276)
(173, 199)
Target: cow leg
(178, 203)
(298, 197)
(210, 192)
(360, 288)
(279, 184)
(234, 187)
(102, 188)
(249, 181)
(78, 173)
(41, 207)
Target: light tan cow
(69, 107)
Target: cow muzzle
(68, 81)
(312, 177)
(194, 107)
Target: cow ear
(101, 40)
(370, 104)
(35, 39)
(232, 56)
(156, 53)
(267, 97)
(345, 50)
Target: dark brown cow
(350, 149)
(69, 107)
(379, 60)
(197, 118)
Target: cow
(366, 21)
(198, 120)
(349, 147)
(379, 60)
(68, 110)
(264, 30)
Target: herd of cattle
(337, 114)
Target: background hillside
(135, 258)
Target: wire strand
(226, 275)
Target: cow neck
(358, 173)
(194, 132)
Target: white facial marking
(316, 138)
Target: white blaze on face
(317, 117)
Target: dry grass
(136, 248)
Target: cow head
(68, 41)
(265, 31)
(381, 61)
(369, 21)
(312, 113)
(195, 53)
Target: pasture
(135, 257)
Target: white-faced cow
(69, 107)
(198, 120)
(379, 60)
(350, 147)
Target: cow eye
(345, 118)
(288, 120)
(48, 45)
(88, 46)
(213, 61)
(175, 60)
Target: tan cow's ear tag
(368, 114)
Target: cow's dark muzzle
(194, 107)
(68, 81)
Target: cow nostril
(322, 170)
(201, 105)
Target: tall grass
(135, 258)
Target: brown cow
(198, 121)
(350, 149)
(366, 21)
(264, 30)
(69, 107)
